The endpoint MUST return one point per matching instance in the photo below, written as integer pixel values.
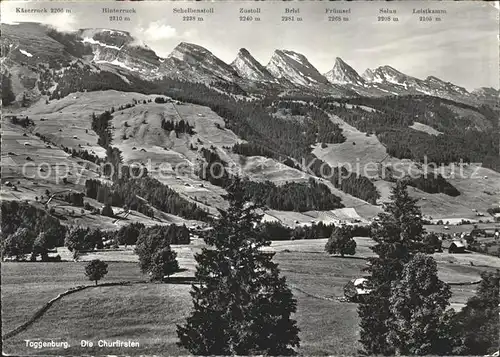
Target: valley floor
(148, 313)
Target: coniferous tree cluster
(292, 196)
(85, 155)
(8, 96)
(215, 170)
(153, 249)
(24, 122)
(180, 127)
(228, 87)
(125, 193)
(22, 223)
(341, 242)
(350, 182)
(277, 231)
(398, 236)
(86, 78)
(100, 124)
(74, 198)
(434, 184)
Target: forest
(276, 231)
(100, 124)
(180, 127)
(434, 184)
(292, 196)
(139, 194)
(170, 234)
(460, 140)
(26, 228)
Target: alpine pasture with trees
(242, 305)
(206, 207)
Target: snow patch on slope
(26, 53)
(95, 42)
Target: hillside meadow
(148, 312)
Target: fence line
(48, 304)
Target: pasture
(148, 312)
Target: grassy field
(27, 286)
(148, 313)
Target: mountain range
(286, 70)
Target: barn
(356, 289)
(456, 247)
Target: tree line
(431, 183)
(390, 121)
(139, 194)
(292, 196)
(83, 238)
(180, 127)
(27, 229)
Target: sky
(462, 48)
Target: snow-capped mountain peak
(248, 67)
(199, 62)
(438, 83)
(295, 68)
(386, 74)
(342, 73)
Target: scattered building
(357, 289)
(456, 247)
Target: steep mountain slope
(121, 49)
(476, 192)
(35, 57)
(248, 67)
(191, 61)
(394, 82)
(295, 68)
(488, 95)
(342, 73)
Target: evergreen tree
(398, 235)
(479, 319)
(341, 242)
(164, 263)
(7, 95)
(40, 247)
(107, 210)
(417, 304)
(18, 244)
(242, 305)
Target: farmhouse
(356, 289)
(456, 247)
